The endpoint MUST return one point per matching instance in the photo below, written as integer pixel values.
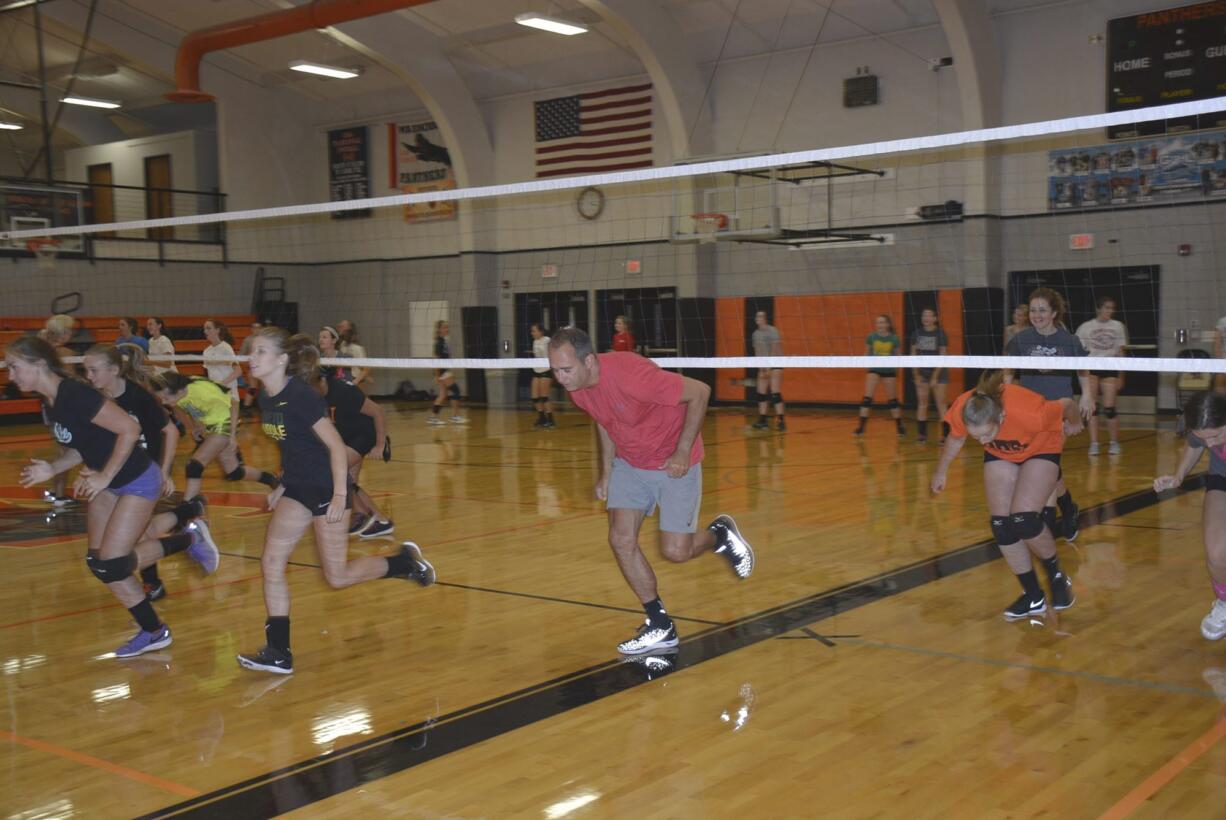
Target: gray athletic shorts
(679, 499)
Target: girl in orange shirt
(1023, 436)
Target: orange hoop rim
(718, 220)
(41, 243)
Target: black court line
(324, 776)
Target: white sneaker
(1114, 449)
(1093, 449)
(1213, 626)
(459, 420)
(434, 420)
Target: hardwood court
(864, 670)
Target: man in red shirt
(649, 421)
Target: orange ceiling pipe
(314, 15)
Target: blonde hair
(34, 349)
(302, 350)
(986, 405)
(58, 328)
(127, 358)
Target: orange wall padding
(949, 305)
(830, 325)
(729, 341)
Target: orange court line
(1150, 785)
(99, 763)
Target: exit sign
(1080, 241)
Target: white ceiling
(492, 55)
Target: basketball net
(44, 251)
(708, 226)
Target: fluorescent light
(10, 126)
(308, 67)
(17, 4)
(552, 24)
(92, 103)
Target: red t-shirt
(639, 406)
(623, 341)
(1032, 426)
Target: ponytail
(127, 358)
(1205, 411)
(986, 404)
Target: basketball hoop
(44, 250)
(706, 226)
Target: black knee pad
(776, 398)
(892, 404)
(1002, 530)
(867, 401)
(763, 397)
(1027, 525)
(195, 469)
(110, 570)
(1109, 412)
(454, 391)
(237, 474)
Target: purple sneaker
(203, 551)
(144, 641)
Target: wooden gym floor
(863, 671)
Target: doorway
(159, 201)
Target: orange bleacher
(106, 329)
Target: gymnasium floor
(863, 671)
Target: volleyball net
(822, 241)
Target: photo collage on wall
(1161, 169)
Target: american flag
(607, 130)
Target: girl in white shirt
(159, 344)
(219, 355)
(1104, 336)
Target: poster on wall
(348, 169)
(1176, 168)
(421, 163)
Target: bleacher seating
(187, 332)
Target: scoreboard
(1164, 57)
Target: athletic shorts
(1105, 374)
(222, 429)
(1054, 458)
(765, 372)
(542, 374)
(924, 374)
(315, 498)
(444, 374)
(679, 499)
(362, 445)
(889, 374)
(146, 485)
(1215, 482)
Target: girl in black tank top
(314, 491)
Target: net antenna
(45, 250)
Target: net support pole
(42, 92)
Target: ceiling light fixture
(10, 126)
(90, 102)
(307, 67)
(17, 4)
(551, 24)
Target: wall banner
(420, 163)
(348, 169)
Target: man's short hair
(576, 338)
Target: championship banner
(420, 163)
(348, 169)
(1177, 168)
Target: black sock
(779, 416)
(898, 424)
(276, 632)
(1052, 566)
(144, 615)
(922, 427)
(944, 429)
(656, 615)
(549, 417)
(269, 479)
(149, 574)
(761, 418)
(540, 415)
(863, 421)
(1030, 585)
(1049, 518)
(399, 565)
(1066, 503)
(193, 508)
(434, 409)
(176, 543)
